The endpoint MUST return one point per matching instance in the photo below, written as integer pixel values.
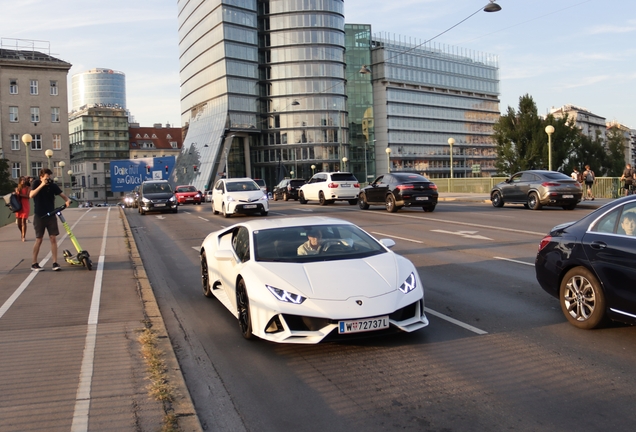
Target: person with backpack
(22, 215)
(626, 178)
(589, 178)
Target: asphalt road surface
(498, 353)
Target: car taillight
(544, 242)
(404, 187)
(433, 186)
(547, 184)
(332, 185)
(356, 185)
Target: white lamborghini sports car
(301, 280)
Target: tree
(616, 144)
(6, 184)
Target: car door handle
(598, 245)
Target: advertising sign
(128, 173)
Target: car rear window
(410, 178)
(343, 177)
(296, 183)
(557, 176)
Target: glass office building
(262, 89)
(99, 86)
(424, 95)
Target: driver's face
(314, 239)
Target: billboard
(127, 173)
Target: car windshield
(186, 189)
(157, 188)
(343, 177)
(241, 186)
(314, 243)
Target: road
(498, 353)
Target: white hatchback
(238, 196)
(327, 187)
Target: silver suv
(327, 187)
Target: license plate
(345, 185)
(568, 196)
(421, 198)
(363, 325)
(249, 206)
(160, 205)
(189, 199)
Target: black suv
(400, 189)
(156, 195)
(288, 189)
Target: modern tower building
(262, 85)
(33, 108)
(99, 86)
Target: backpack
(12, 201)
(589, 178)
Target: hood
(333, 280)
(158, 195)
(247, 196)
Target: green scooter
(82, 258)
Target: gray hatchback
(537, 188)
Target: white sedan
(301, 280)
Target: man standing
(43, 192)
(626, 178)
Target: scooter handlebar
(57, 210)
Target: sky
(580, 52)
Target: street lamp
(26, 139)
(344, 163)
(291, 173)
(62, 164)
(70, 181)
(313, 169)
(49, 155)
(388, 158)
(451, 141)
(549, 129)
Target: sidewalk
(70, 356)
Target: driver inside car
(312, 245)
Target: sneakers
(56, 266)
(36, 267)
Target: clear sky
(580, 52)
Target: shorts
(49, 223)
(589, 185)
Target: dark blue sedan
(590, 265)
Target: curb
(182, 405)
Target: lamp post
(313, 170)
(49, 155)
(62, 164)
(70, 181)
(291, 174)
(388, 159)
(451, 141)
(549, 129)
(344, 163)
(26, 139)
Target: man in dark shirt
(43, 192)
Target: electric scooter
(82, 258)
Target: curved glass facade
(99, 86)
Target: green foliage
(522, 144)
(7, 185)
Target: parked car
(156, 195)
(288, 189)
(327, 187)
(262, 185)
(239, 196)
(187, 195)
(536, 188)
(589, 265)
(281, 295)
(400, 189)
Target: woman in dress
(22, 217)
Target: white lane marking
(18, 292)
(303, 209)
(465, 234)
(83, 395)
(399, 238)
(196, 248)
(207, 220)
(456, 322)
(159, 217)
(514, 261)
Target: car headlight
(173, 198)
(146, 200)
(263, 198)
(230, 198)
(409, 284)
(286, 296)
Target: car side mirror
(389, 243)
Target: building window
(13, 86)
(34, 87)
(94, 167)
(16, 170)
(35, 114)
(15, 142)
(173, 144)
(13, 114)
(95, 194)
(36, 143)
(35, 169)
(57, 142)
(55, 115)
(53, 88)
(94, 181)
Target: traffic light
(147, 169)
(195, 168)
(166, 169)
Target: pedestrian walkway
(70, 356)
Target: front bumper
(158, 206)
